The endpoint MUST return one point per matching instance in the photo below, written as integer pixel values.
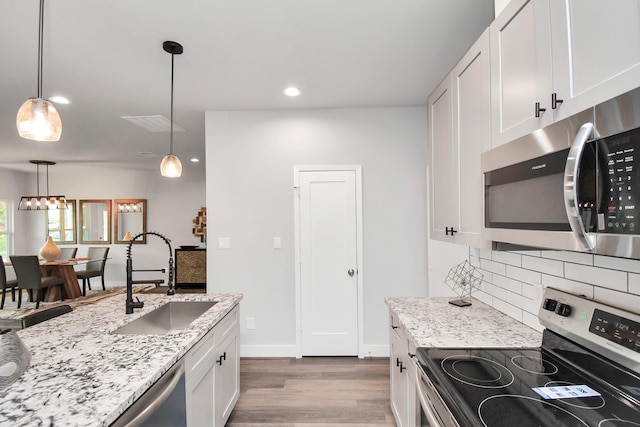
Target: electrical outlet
(251, 323)
(277, 243)
(539, 292)
(224, 243)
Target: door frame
(297, 170)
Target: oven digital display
(616, 329)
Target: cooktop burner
(494, 387)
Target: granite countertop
(433, 322)
(81, 375)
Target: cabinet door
(471, 137)
(443, 204)
(520, 69)
(399, 380)
(596, 51)
(200, 397)
(227, 377)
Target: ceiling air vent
(153, 123)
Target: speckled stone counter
(433, 322)
(81, 375)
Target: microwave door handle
(571, 172)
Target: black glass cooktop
(495, 387)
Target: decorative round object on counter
(14, 357)
(50, 251)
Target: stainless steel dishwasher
(164, 404)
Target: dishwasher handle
(158, 393)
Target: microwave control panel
(621, 189)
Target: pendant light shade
(38, 119)
(170, 166)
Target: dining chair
(67, 253)
(94, 268)
(6, 284)
(29, 275)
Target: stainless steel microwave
(574, 185)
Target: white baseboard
(381, 350)
(268, 350)
(372, 350)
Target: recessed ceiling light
(195, 159)
(291, 91)
(59, 99)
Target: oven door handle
(571, 172)
(434, 421)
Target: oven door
(433, 411)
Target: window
(61, 223)
(5, 228)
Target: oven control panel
(611, 331)
(616, 328)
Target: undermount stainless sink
(172, 316)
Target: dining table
(64, 269)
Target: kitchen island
(82, 375)
(433, 322)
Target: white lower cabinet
(402, 376)
(212, 374)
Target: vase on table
(50, 251)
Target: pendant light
(171, 166)
(38, 202)
(38, 119)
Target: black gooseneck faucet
(130, 303)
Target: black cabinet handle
(222, 357)
(539, 110)
(398, 363)
(411, 355)
(402, 368)
(555, 101)
(394, 327)
(451, 231)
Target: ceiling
(106, 57)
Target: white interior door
(328, 263)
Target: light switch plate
(277, 243)
(224, 243)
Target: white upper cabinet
(520, 70)
(553, 58)
(459, 131)
(596, 51)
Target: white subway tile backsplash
(521, 302)
(527, 276)
(508, 309)
(575, 257)
(618, 299)
(631, 265)
(572, 286)
(507, 283)
(543, 265)
(634, 283)
(597, 276)
(484, 297)
(507, 258)
(513, 281)
(492, 266)
(484, 253)
(532, 321)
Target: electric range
(586, 373)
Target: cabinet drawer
(226, 325)
(197, 356)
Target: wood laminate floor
(313, 392)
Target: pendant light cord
(40, 45)
(171, 133)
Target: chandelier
(42, 202)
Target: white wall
(250, 160)
(171, 206)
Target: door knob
(351, 272)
